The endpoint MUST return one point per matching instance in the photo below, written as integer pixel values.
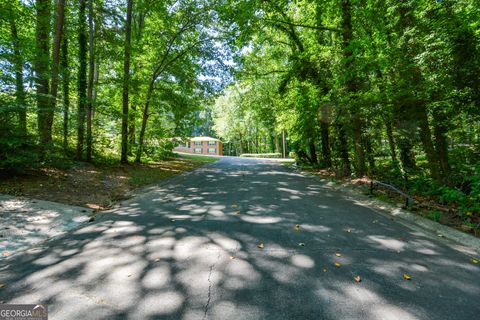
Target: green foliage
(261, 155)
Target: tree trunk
(326, 153)
(66, 90)
(426, 138)
(144, 122)
(440, 130)
(391, 142)
(91, 75)
(19, 89)
(82, 78)
(351, 86)
(126, 82)
(370, 156)
(313, 152)
(59, 21)
(41, 65)
(343, 149)
(358, 145)
(131, 126)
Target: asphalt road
(188, 249)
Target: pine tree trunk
(91, 77)
(82, 78)
(41, 65)
(126, 82)
(19, 89)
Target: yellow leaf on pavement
(338, 254)
(2, 285)
(475, 261)
(261, 246)
(338, 264)
(406, 276)
(357, 279)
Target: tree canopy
(360, 87)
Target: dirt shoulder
(93, 186)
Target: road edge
(464, 242)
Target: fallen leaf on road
(338, 254)
(301, 244)
(338, 264)
(232, 258)
(234, 205)
(357, 279)
(158, 259)
(2, 285)
(261, 246)
(475, 261)
(297, 227)
(406, 276)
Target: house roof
(204, 139)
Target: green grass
(199, 158)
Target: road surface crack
(209, 296)
(207, 305)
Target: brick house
(201, 145)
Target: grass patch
(97, 186)
(198, 158)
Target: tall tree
(42, 74)
(126, 82)
(19, 88)
(58, 27)
(91, 75)
(65, 71)
(82, 77)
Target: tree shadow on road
(189, 250)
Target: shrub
(261, 155)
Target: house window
(212, 150)
(198, 143)
(212, 143)
(198, 150)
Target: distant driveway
(222, 243)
